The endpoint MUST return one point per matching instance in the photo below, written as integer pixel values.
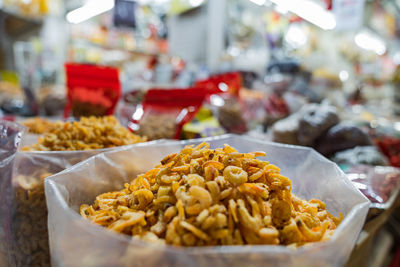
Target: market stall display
(92, 90)
(380, 183)
(202, 197)
(25, 212)
(38, 125)
(165, 111)
(86, 134)
(68, 190)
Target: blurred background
(319, 73)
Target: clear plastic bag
(10, 138)
(75, 241)
(25, 212)
(380, 184)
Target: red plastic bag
(164, 112)
(227, 82)
(92, 90)
(390, 147)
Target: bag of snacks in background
(229, 111)
(227, 82)
(390, 147)
(204, 124)
(380, 184)
(226, 197)
(10, 138)
(165, 111)
(253, 106)
(276, 109)
(64, 145)
(92, 90)
(128, 105)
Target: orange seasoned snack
(204, 197)
(88, 133)
(38, 125)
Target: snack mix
(206, 197)
(38, 125)
(29, 222)
(88, 133)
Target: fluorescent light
(195, 3)
(370, 41)
(343, 75)
(281, 9)
(295, 36)
(258, 2)
(310, 11)
(90, 9)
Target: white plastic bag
(74, 241)
(24, 213)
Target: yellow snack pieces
(38, 125)
(204, 197)
(88, 133)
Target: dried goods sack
(24, 212)
(342, 136)
(316, 120)
(312, 176)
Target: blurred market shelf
(16, 24)
(379, 255)
(364, 251)
(137, 51)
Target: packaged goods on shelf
(91, 90)
(165, 111)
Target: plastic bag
(380, 184)
(368, 155)
(391, 148)
(228, 82)
(312, 175)
(164, 112)
(92, 90)
(25, 202)
(230, 112)
(10, 138)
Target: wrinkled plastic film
(10, 138)
(312, 175)
(27, 211)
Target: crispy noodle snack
(205, 197)
(88, 133)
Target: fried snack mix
(30, 245)
(158, 126)
(38, 125)
(88, 133)
(205, 197)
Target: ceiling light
(309, 11)
(258, 2)
(343, 75)
(370, 41)
(91, 9)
